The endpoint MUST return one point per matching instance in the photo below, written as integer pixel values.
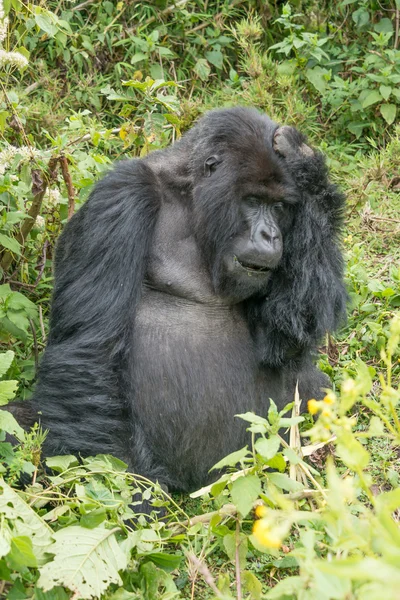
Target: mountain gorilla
(193, 285)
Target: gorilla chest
(192, 356)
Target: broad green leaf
(318, 77)
(284, 482)
(385, 90)
(18, 301)
(168, 562)
(25, 522)
(45, 23)
(10, 243)
(245, 492)
(61, 463)
(232, 459)
(360, 17)
(7, 391)
(371, 98)
(215, 57)
(86, 561)
(21, 553)
(267, 447)
(252, 585)
(10, 425)
(6, 359)
(388, 112)
(202, 69)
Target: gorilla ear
(210, 165)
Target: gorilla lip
(252, 268)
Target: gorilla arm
(99, 269)
(307, 296)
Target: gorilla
(194, 284)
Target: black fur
(155, 344)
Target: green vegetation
(84, 84)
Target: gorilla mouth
(251, 267)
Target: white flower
(13, 58)
(54, 197)
(40, 222)
(3, 29)
(7, 155)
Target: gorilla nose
(268, 237)
(271, 237)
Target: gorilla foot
(289, 143)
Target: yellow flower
(330, 398)
(313, 406)
(261, 511)
(265, 535)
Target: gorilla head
(241, 200)
(193, 285)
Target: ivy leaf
(245, 492)
(388, 112)
(86, 561)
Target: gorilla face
(254, 202)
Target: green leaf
(371, 98)
(215, 57)
(6, 359)
(245, 492)
(267, 447)
(85, 560)
(44, 22)
(10, 425)
(284, 482)
(385, 25)
(7, 391)
(62, 463)
(168, 562)
(232, 459)
(10, 243)
(318, 77)
(385, 90)
(252, 585)
(360, 17)
(388, 112)
(25, 522)
(202, 69)
(21, 553)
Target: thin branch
(203, 569)
(237, 561)
(68, 182)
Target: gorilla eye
(279, 207)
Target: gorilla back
(193, 285)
